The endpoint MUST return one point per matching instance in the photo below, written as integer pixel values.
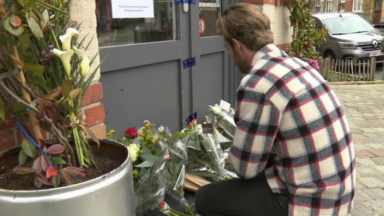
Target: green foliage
(305, 35)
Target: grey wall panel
(208, 83)
(150, 92)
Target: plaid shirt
(287, 112)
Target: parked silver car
(350, 37)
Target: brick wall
(348, 5)
(92, 109)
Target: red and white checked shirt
(287, 111)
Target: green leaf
(55, 181)
(35, 27)
(74, 93)
(41, 87)
(15, 21)
(58, 160)
(143, 171)
(22, 157)
(145, 164)
(36, 70)
(21, 2)
(2, 110)
(22, 170)
(74, 171)
(137, 140)
(45, 16)
(12, 30)
(29, 4)
(66, 88)
(145, 149)
(10, 73)
(151, 158)
(38, 184)
(29, 148)
(23, 42)
(53, 94)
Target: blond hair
(247, 24)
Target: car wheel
(329, 54)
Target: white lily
(65, 57)
(84, 64)
(67, 38)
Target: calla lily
(67, 38)
(84, 64)
(65, 57)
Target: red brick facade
(348, 5)
(92, 109)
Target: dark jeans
(239, 197)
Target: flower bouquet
(43, 82)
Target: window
(378, 5)
(318, 3)
(347, 25)
(121, 31)
(210, 11)
(342, 7)
(328, 7)
(358, 5)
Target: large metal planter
(108, 195)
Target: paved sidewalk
(364, 105)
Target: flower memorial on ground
(165, 164)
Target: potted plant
(43, 78)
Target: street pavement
(364, 106)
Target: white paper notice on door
(132, 9)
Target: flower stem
(54, 36)
(41, 3)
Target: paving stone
(361, 147)
(375, 140)
(367, 171)
(375, 145)
(365, 161)
(371, 182)
(359, 209)
(364, 154)
(379, 168)
(373, 193)
(361, 197)
(378, 153)
(381, 129)
(359, 186)
(376, 205)
(371, 135)
(379, 160)
(368, 130)
(381, 178)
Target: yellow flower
(134, 150)
(135, 173)
(147, 125)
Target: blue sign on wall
(185, 1)
(189, 62)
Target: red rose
(131, 133)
